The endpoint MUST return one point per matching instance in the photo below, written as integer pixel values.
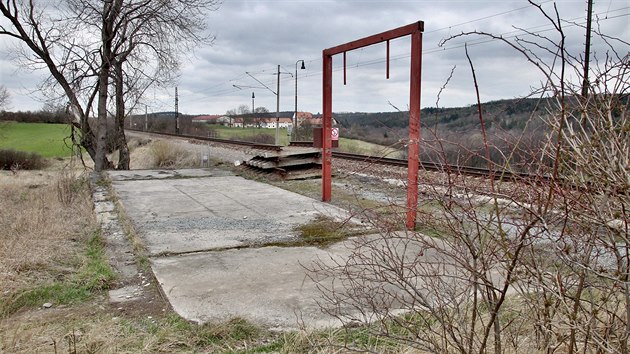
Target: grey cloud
(255, 36)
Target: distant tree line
(35, 116)
(456, 132)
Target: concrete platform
(267, 285)
(208, 235)
(183, 215)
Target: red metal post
(414, 129)
(415, 30)
(344, 68)
(387, 61)
(327, 125)
(376, 38)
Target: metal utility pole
(295, 117)
(587, 49)
(277, 93)
(176, 112)
(253, 103)
(146, 120)
(278, 109)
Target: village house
(261, 120)
(309, 119)
(219, 119)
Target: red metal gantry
(415, 30)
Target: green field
(346, 145)
(245, 133)
(41, 138)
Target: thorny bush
(536, 264)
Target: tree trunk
(121, 140)
(100, 161)
(111, 10)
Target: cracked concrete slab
(267, 285)
(206, 237)
(199, 214)
(166, 174)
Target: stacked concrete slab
(288, 162)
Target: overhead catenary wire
(225, 88)
(506, 35)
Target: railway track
(426, 165)
(216, 140)
(432, 166)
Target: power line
(506, 35)
(432, 31)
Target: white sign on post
(334, 133)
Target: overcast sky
(255, 36)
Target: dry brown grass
(38, 232)
(160, 153)
(46, 224)
(43, 240)
(166, 154)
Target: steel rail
(426, 165)
(433, 166)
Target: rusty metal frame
(415, 30)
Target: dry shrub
(70, 186)
(538, 265)
(38, 232)
(20, 160)
(169, 155)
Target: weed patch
(169, 155)
(69, 187)
(322, 231)
(95, 275)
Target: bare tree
(243, 109)
(529, 263)
(5, 97)
(115, 33)
(40, 34)
(152, 32)
(261, 110)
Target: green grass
(44, 139)
(363, 147)
(244, 133)
(94, 275)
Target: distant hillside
(507, 114)
(454, 134)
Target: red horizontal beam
(377, 38)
